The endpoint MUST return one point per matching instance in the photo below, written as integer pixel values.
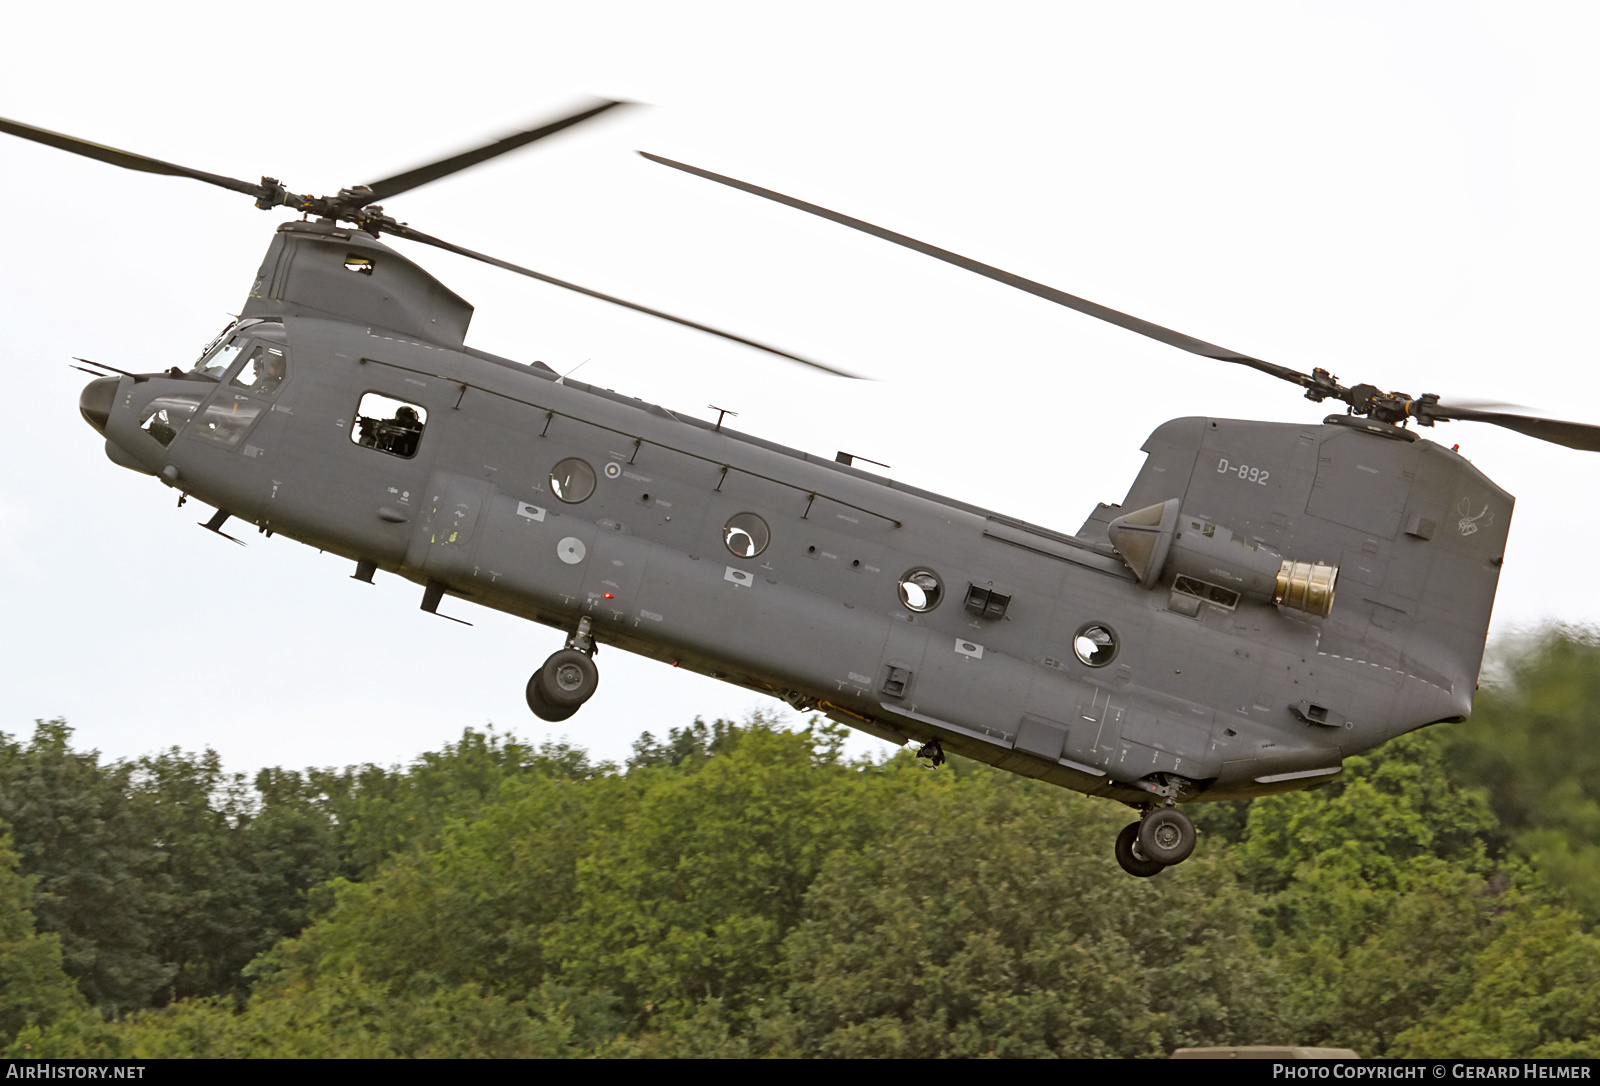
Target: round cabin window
(572, 480)
(921, 590)
(1095, 645)
(746, 535)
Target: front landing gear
(1166, 836)
(1131, 858)
(566, 680)
(1163, 837)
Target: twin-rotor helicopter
(1267, 599)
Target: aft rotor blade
(1060, 297)
(403, 231)
(126, 159)
(1574, 435)
(404, 182)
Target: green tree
(33, 988)
(294, 841)
(474, 908)
(79, 835)
(689, 746)
(992, 920)
(344, 1017)
(1390, 809)
(383, 813)
(1526, 988)
(207, 920)
(742, 890)
(1534, 743)
(689, 894)
(1381, 891)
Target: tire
(1130, 858)
(543, 709)
(567, 679)
(1166, 836)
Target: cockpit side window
(265, 369)
(389, 425)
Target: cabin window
(361, 265)
(1095, 644)
(746, 535)
(921, 590)
(572, 480)
(389, 425)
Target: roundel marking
(571, 550)
(613, 470)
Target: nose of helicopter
(96, 399)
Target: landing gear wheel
(1166, 836)
(542, 708)
(568, 679)
(1131, 858)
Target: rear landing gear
(1163, 837)
(542, 708)
(566, 680)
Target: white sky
(1401, 192)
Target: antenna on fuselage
(563, 378)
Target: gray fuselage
(1198, 687)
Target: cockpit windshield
(221, 352)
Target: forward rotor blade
(400, 230)
(126, 159)
(404, 182)
(1060, 297)
(102, 365)
(1574, 435)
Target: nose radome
(96, 399)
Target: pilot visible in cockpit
(272, 375)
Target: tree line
(747, 890)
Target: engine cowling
(1208, 560)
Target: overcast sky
(1403, 193)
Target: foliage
(993, 922)
(346, 1018)
(1527, 989)
(164, 877)
(1534, 743)
(474, 909)
(1389, 810)
(690, 746)
(78, 836)
(744, 890)
(33, 988)
(383, 813)
(688, 895)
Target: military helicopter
(1267, 599)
